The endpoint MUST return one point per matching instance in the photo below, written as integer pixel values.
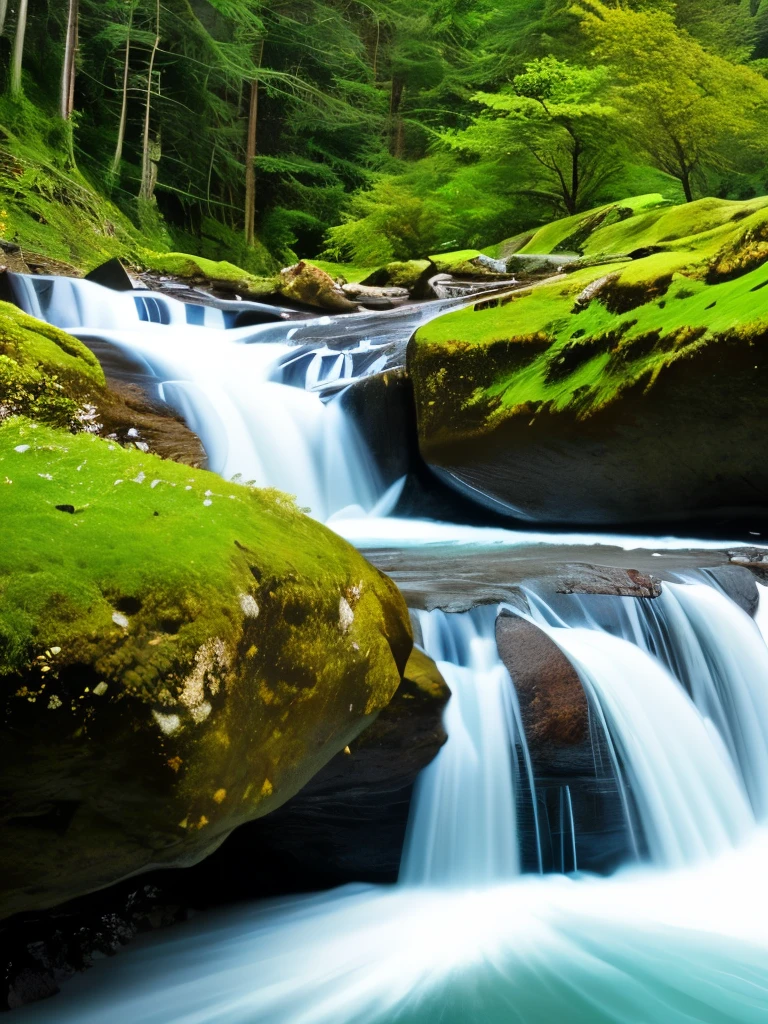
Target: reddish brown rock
(553, 705)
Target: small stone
(100, 689)
(21, 448)
(249, 606)
(55, 650)
(346, 615)
(169, 724)
(66, 508)
(133, 432)
(120, 620)
(207, 501)
(140, 477)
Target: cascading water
(699, 657)
(226, 382)
(463, 829)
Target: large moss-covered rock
(178, 655)
(44, 372)
(632, 390)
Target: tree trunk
(250, 159)
(70, 54)
(124, 106)
(685, 178)
(397, 145)
(148, 176)
(18, 48)
(3, 15)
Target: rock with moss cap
(308, 285)
(218, 276)
(178, 655)
(630, 391)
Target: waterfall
(225, 383)
(462, 828)
(682, 684)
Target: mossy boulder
(632, 391)
(308, 285)
(217, 275)
(44, 372)
(178, 655)
(409, 274)
(51, 377)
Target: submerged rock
(172, 660)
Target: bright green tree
(687, 109)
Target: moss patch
(345, 272)
(576, 343)
(178, 654)
(44, 372)
(459, 262)
(197, 269)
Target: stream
(678, 687)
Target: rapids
(679, 685)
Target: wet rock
(381, 406)
(348, 823)
(580, 820)
(664, 453)
(553, 706)
(739, 584)
(112, 275)
(362, 292)
(311, 286)
(40, 951)
(601, 579)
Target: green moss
(456, 262)
(566, 234)
(44, 372)
(178, 654)
(53, 209)
(197, 268)
(404, 274)
(577, 343)
(346, 271)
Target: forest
(365, 132)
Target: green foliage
(384, 131)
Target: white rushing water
(462, 830)
(680, 685)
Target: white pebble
(207, 501)
(120, 620)
(249, 606)
(21, 448)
